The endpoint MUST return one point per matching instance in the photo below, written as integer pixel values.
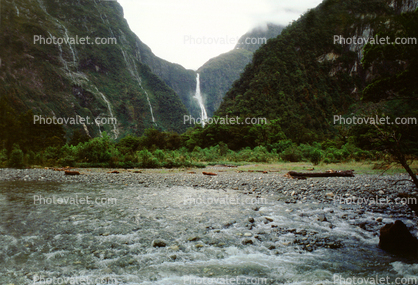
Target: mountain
(218, 74)
(302, 78)
(181, 80)
(51, 64)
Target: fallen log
(68, 172)
(328, 173)
(208, 173)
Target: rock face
(396, 238)
(81, 77)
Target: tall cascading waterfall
(198, 96)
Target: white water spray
(198, 96)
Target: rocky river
(182, 227)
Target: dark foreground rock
(396, 238)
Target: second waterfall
(198, 96)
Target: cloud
(165, 25)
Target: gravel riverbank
(380, 194)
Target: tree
(393, 93)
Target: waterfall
(198, 96)
(115, 128)
(133, 71)
(149, 103)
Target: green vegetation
(219, 73)
(393, 92)
(301, 77)
(69, 80)
(298, 81)
(157, 149)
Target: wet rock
(268, 219)
(380, 219)
(396, 238)
(195, 238)
(174, 248)
(329, 194)
(228, 225)
(362, 225)
(247, 241)
(322, 218)
(158, 243)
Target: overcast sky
(190, 32)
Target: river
(182, 235)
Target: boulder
(396, 238)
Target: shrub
(292, 154)
(316, 156)
(3, 156)
(147, 160)
(16, 157)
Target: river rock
(396, 238)
(247, 241)
(158, 243)
(322, 218)
(174, 247)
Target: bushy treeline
(157, 149)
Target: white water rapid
(198, 96)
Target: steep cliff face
(181, 80)
(46, 66)
(303, 77)
(218, 74)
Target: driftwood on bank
(328, 173)
(209, 173)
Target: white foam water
(204, 241)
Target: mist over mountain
(302, 77)
(218, 74)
